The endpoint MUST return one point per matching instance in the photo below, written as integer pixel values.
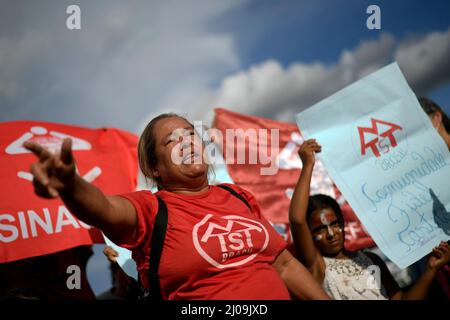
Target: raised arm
(55, 175)
(303, 241)
(297, 278)
(439, 257)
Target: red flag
(273, 191)
(32, 226)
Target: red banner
(32, 226)
(273, 191)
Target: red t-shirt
(215, 248)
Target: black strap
(237, 195)
(157, 244)
(158, 235)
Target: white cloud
(426, 61)
(133, 60)
(272, 91)
(15, 55)
(128, 60)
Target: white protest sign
(388, 161)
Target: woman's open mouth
(191, 158)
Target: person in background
(317, 226)
(123, 287)
(441, 123)
(438, 118)
(45, 277)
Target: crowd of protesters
(319, 267)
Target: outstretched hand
(53, 172)
(439, 256)
(307, 152)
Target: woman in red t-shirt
(216, 247)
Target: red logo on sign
(240, 240)
(376, 143)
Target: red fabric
(271, 190)
(202, 230)
(32, 226)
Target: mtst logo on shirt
(230, 240)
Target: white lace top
(352, 279)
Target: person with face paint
(217, 246)
(317, 226)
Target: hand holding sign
(53, 172)
(439, 257)
(307, 152)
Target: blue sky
(319, 31)
(132, 60)
(308, 31)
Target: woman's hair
(430, 107)
(322, 201)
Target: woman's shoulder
(236, 188)
(142, 199)
(228, 185)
